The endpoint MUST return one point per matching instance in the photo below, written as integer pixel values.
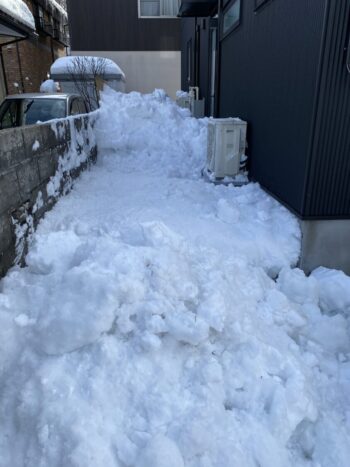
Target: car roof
(42, 95)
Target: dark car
(29, 109)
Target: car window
(74, 107)
(9, 114)
(82, 106)
(42, 110)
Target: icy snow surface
(150, 329)
(19, 11)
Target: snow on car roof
(18, 10)
(62, 65)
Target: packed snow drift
(161, 322)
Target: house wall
(146, 71)
(328, 188)
(148, 50)
(268, 77)
(27, 62)
(114, 26)
(325, 243)
(188, 47)
(196, 41)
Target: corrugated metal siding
(198, 31)
(113, 25)
(268, 76)
(328, 178)
(188, 36)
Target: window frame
(152, 17)
(234, 25)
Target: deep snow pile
(150, 132)
(148, 329)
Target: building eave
(197, 8)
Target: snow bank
(151, 131)
(19, 11)
(64, 65)
(149, 328)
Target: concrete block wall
(29, 158)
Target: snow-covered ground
(160, 321)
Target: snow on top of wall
(19, 11)
(62, 65)
(59, 7)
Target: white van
(86, 75)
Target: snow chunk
(49, 86)
(36, 145)
(19, 11)
(23, 321)
(334, 290)
(331, 333)
(297, 287)
(160, 452)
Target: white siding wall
(146, 71)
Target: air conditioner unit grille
(226, 146)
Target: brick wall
(28, 62)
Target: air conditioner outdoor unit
(192, 102)
(226, 146)
(184, 100)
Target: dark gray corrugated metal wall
(113, 25)
(188, 38)
(328, 178)
(268, 76)
(198, 31)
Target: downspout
(218, 65)
(3, 70)
(20, 66)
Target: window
(231, 17)
(9, 114)
(41, 18)
(74, 108)
(82, 106)
(43, 110)
(158, 8)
